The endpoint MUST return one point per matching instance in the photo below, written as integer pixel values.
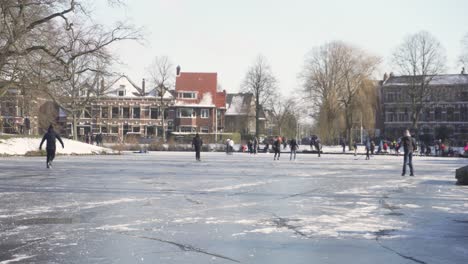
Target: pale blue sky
(226, 36)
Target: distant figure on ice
(228, 146)
(368, 149)
(255, 145)
(50, 136)
(197, 144)
(318, 146)
(277, 148)
(409, 145)
(355, 147)
(293, 146)
(343, 144)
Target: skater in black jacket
(409, 145)
(197, 144)
(50, 136)
(293, 146)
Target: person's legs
(405, 160)
(294, 154)
(410, 163)
(290, 155)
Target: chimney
(178, 70)
(143, 87)
(463, 70)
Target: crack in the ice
(193, 201)
(386, 232)
(185, 247)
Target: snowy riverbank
(21, 146)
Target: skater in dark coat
(293, 146)
(277, 148)
(318, 146)
(409, 145)
(50, 136)
(197, 144)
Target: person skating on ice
(277, 148)
(50, 136)
(409, 145)
(197, 144)
(293, 146)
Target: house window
(187, 95)
(121, 91)
(205, 113)
(126, 112)
(103, 129)
(185, 113)
(115, 112)
(154, 113)
(136, 112)
(438, 114)
(204, 130)
(136, 129)
(87, 112)
(187, 129)
(450, 115)
(114, 129)
(104, 112)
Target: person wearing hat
(409, 145)
(50, 136)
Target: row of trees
(54, 48)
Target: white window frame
(179, 113)
(204, 129)
(205, 113)
(193, 129)
(180, 95)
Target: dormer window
(187, 95)
(121, 91)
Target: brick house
(125, 108)
(446, 108)
(199, 107)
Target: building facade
(198, 106)
(444, 115)
(124, 109)
(240, 115)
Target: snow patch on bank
(20, 146)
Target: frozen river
(167, 208)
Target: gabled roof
(239, 104)
(437, 80)
(132, 90)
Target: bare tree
(260, 81)
(73, 77)
(161, 71)
(464, 54)
(356, 73)
(282, 110)
(420, 57)
(321, 77)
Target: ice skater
(409, 145)
(318, 146)
(293, 146)
(277, 148)
(50, 136)
(197, 143)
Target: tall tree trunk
(74, 127)
(257, 116)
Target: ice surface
(167, 208)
